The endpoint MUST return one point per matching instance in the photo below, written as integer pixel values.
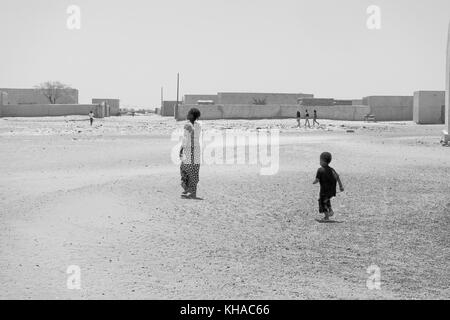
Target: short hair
(195, 113)
(326, 156)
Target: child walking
(327, 177)
(190, 155)
(315, 119)
(91, 117)
(307, 119)
(299, 117)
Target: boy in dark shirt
(327, 177)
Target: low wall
(429, 107)
(47, 110)
(390, 108)
(212, 112)
(404, 113)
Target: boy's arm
(341, 186)
(181, 152)
(317, 177)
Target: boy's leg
(184, 179)
(322, 207)
(330, 209)
(326, 205)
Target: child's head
(325, 159)
(193, 114)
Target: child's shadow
(196, 198)
(328, 221)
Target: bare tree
(53, 90)
(259, 102)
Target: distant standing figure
(327, 177)
(190, 155)
(315, 118)
(298, 118)
(307, 119)
(91, 117)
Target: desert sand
(107, 199)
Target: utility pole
(178, 90)
(162, 97)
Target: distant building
(114, 105)
(168, 108)
(429, 107)
(194, 98)
(316, 102)
(244, 98)
(248, 98)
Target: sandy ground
(107, 199)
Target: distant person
(307, 119)
(298, 118)
(91, 117)
(327, 177)
(315, 118)
(190, 155)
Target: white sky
(129, 49)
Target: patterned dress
(191, 156)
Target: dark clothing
(91, 120)
(307, 115)
(189, 177)
(315, 115)
(328, 179)
(298, 114)
(324, 204)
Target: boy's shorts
(324, 204)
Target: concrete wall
(3, 100)
(447, 91)
(114, 105)
(246, 98)
(273, 111)
(45, 110)
(33, 96)
(341, 102)
(193, 98)
(428, 107)
(317, 102)
(390, 108)
(167, 108)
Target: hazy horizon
(129, 50)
